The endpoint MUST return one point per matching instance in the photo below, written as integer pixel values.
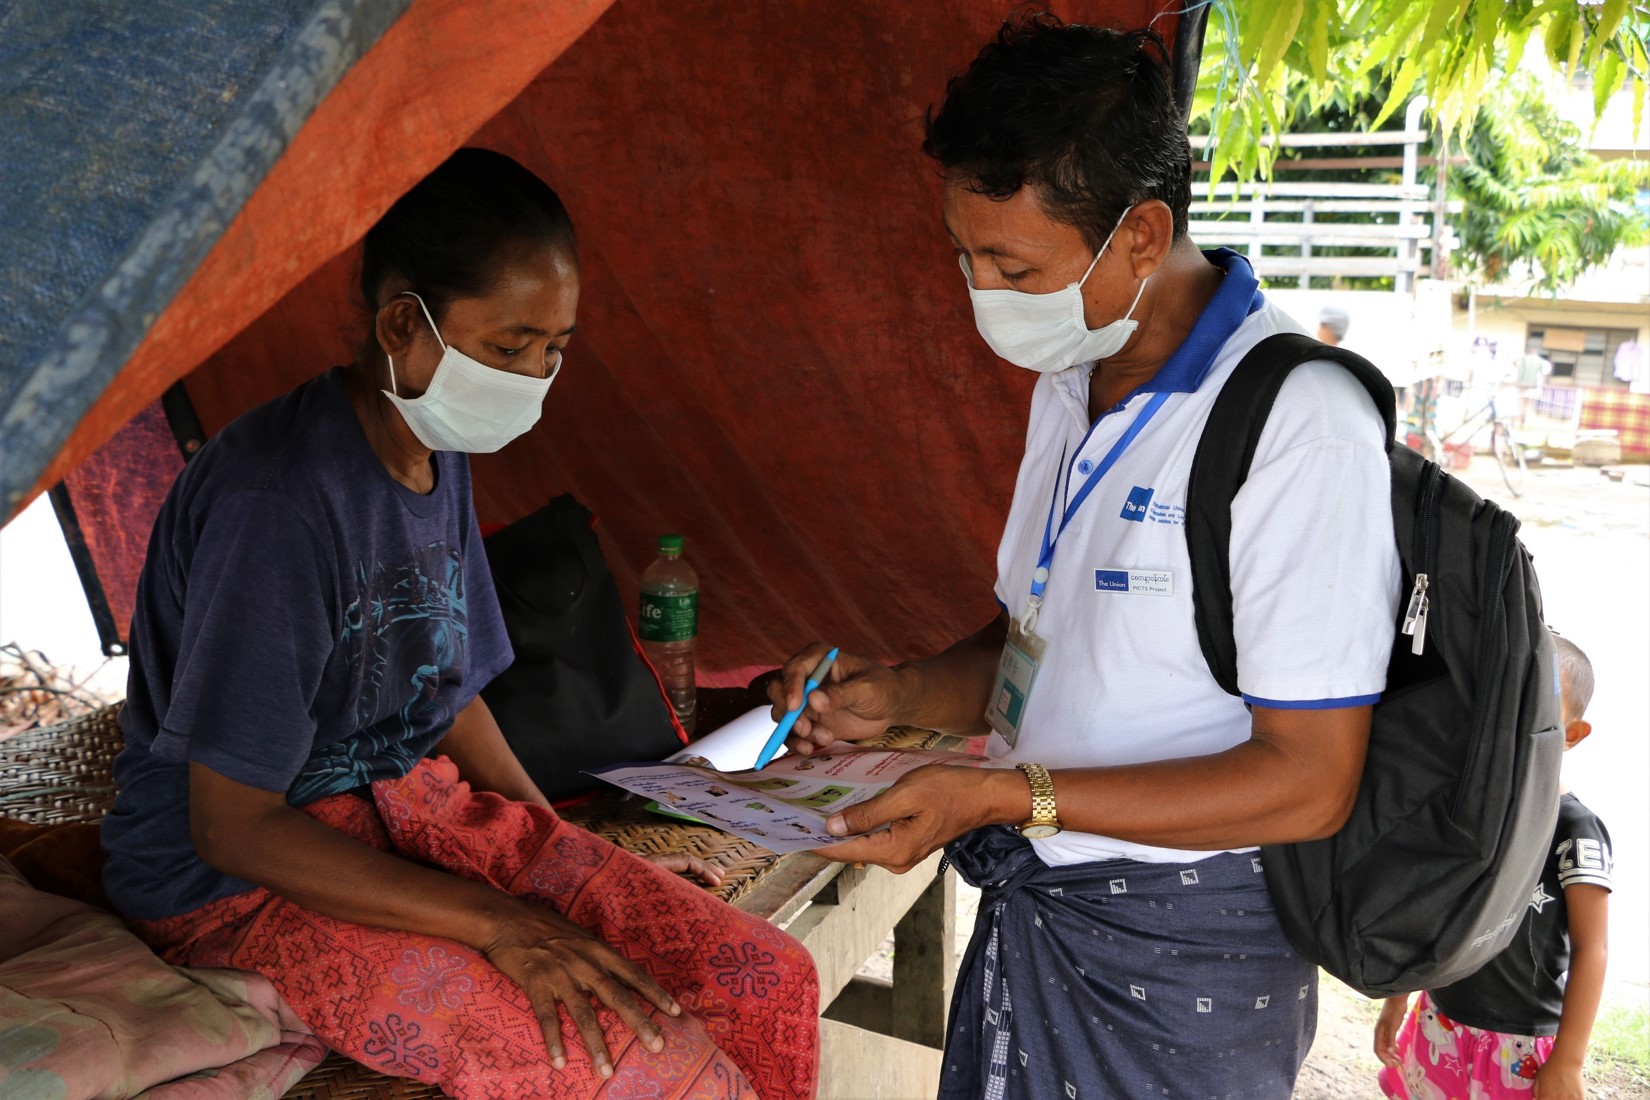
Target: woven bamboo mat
(338, 1078)
(62, 773)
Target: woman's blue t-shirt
(304, 624)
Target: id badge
(1016, 672)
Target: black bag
(580, 694)
(1430, 876)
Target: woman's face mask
(1047, 332)
(470, 406)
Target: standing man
(1332, 325)
(1126, 945)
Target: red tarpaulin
(775, 356)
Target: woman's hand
(253, 834)
(683, 864)
(555, 961)
(1386, 1030)
(859, 699)
(924, 810)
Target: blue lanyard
(1051, 537)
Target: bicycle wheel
(1510, 457)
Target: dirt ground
(1342, 1063)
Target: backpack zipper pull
(1415, 617)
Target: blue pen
(815, 678)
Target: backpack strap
(1221, 465)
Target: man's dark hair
(1575, 673)
(447, 235)
(1085, 115)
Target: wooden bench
(877, 1040)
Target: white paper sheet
(784, 806)
(735, 746)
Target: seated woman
(312, 787)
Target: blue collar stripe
(1237, 297)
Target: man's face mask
(470, 406)
(1047, 332)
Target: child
(1518, 1025)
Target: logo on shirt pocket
(1140, 499)
(1142, 507)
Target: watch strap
(1042, 794)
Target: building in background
(1582, 355)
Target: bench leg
(925, 964)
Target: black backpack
(580, 694)
(1430, 876)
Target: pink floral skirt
(416, 1006)
(1441, 1059)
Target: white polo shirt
(1314, 561)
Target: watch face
(1038, 832)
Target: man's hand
(924, 810)
(555, 962)
(859, 699)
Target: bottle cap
(671, 544)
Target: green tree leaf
(1607, 81)
(1317, 39)
(1446, 48)
(1280, 31)
(1529, 192)
(1401, 85)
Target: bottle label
(669, 618)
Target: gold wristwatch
(1044, 823)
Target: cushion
(87, 1010)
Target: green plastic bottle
(670, 625)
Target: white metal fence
(1398, 220)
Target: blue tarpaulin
(133, 134)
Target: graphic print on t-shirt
(405, 632)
